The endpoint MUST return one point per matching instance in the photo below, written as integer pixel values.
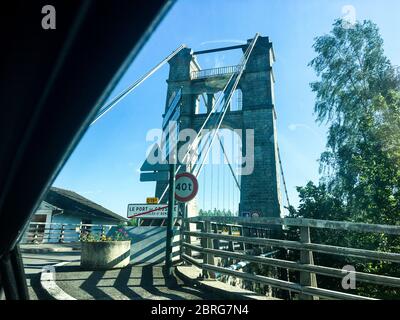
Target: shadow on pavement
(134, 282)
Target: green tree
(358, 97)
(216, 212)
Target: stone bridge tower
(260, 191)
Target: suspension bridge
(230, 109)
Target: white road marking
(47, 280)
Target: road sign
(145, 211)
(186, 187)
(152, 200)
(154, 176)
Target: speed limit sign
(186, 187)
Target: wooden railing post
(203, 244)
(203, 241)
(102, 234)
(48, 232)
(208, 258)
(181, 240)
(188, 239)
(242, 244)
(231, 247)
(35, 235)
(61, 238)
(216, 241)
(82, 230)
(185, 226)
(306, 257)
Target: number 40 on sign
(186, 187)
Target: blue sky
(104, 166)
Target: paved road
(133, 282)
(33, 266)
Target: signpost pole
(171, 204)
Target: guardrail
(41, 232)
(240, 234)
(214, 72)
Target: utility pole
(170, 218)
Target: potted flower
(102, 252)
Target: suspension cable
(227, 160)
(229, 194)
(204, 189)
(283, 176)
(223, 186)
(233, 198)
(218, 180)
(104, 109)
(236, 205)
(211, 181)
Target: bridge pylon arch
(260, 188)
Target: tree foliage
(358, 97)
(216, 213)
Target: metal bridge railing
(41, 232)
(214, 72)
(232, 237)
